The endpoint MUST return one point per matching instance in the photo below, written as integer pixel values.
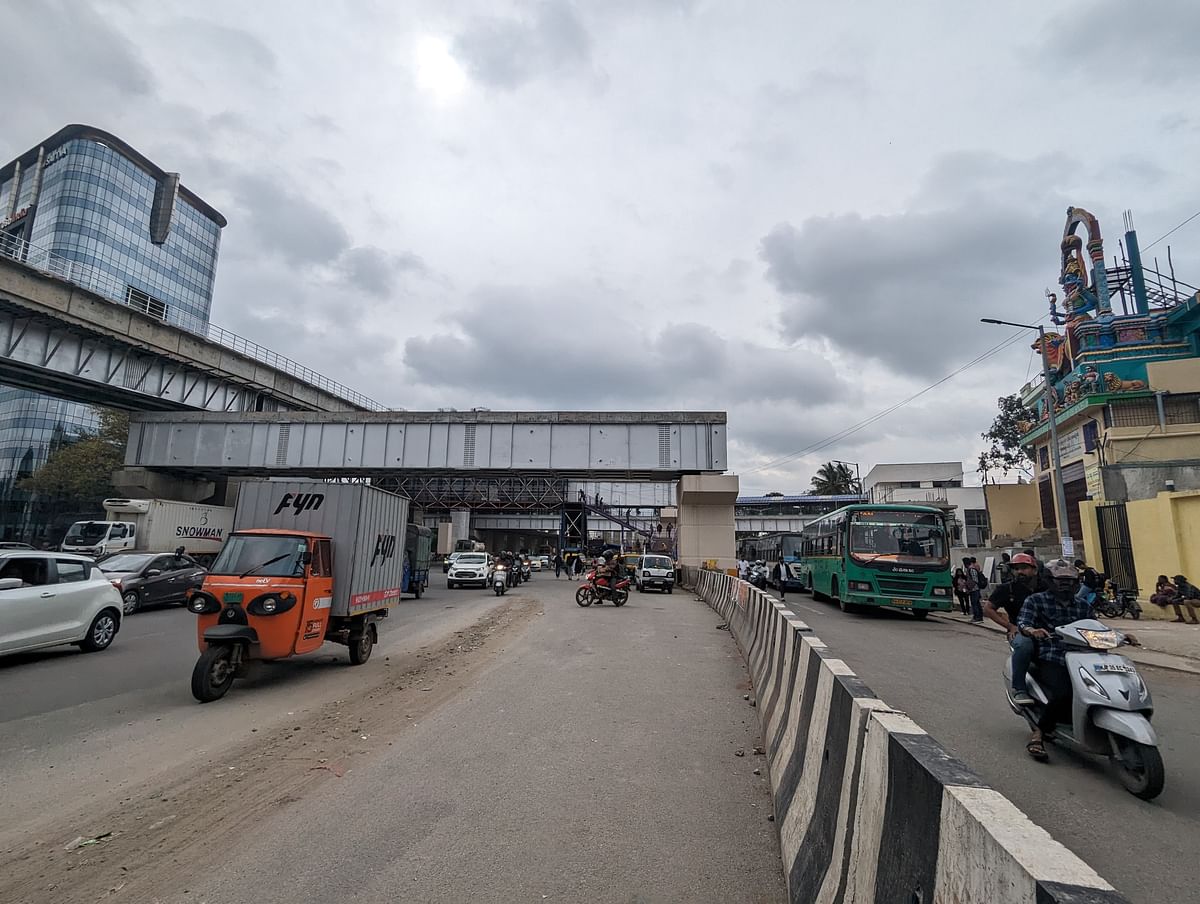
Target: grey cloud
(232, 45)
(507, 53)
(908, 289)
(1155, 42)
(516, 344)
(375, 271)
(284, 222)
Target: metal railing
(116, 290)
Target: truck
(152, 525)
(305, 563)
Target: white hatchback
(49, 598)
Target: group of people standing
(969, 584)
(572, 565)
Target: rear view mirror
(153, 573)
(306, 558)
(10, 583)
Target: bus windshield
(789, 546)
(913, 538)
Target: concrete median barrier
(870, 808)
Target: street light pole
(1060, 490)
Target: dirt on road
(176, 826)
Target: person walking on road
(558, 564)
(976, 583)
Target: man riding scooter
(1041, 613)
(1004, 606)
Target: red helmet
(1024, 558)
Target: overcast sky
(795, 212)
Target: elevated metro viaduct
(494, 462)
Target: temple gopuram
(1124, 363)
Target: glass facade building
(86, 196)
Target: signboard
(1095, 484)
(1070, 445)
(1068, 548)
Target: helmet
(1024, 558)
(1061, 569)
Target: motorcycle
(500, 580)
(594, 590)
(1110, 706)
(1119, 604)
(526, 570)
(757, 575)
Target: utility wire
(861, 425)
(1176, 229)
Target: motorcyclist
(1041, 613)
(611, 571)
(1004, 606)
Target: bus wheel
(920, 614)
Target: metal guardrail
(117, 291)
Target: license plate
(1113, 667)
(906, 603)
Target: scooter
(1110, 706)
(500, 580)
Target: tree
(835, 479)
(1005, 452)
(81, 471)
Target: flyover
(67, 330)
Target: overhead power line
(863, 424)
(1172, 231)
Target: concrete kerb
(869, 807)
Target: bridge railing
(117, 290)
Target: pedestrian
(578, 567)
(1004, 569)
(780, 574)
(558, 565)
(976, 583)
(960, 589)
(1185, 593)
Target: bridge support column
(705, 529)
(139, 483)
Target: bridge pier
(141, 483)
(705, 519)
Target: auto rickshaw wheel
(213, 675)
(361, 643)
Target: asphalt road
(586, 754)
(947, 678)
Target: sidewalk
(1164, 644)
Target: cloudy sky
(792, 211)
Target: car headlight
(203, 603)
(941, 591)
(272, 603)
(860, 586)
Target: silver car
(50, 598)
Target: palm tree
(834, 479)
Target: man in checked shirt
(1040, 615)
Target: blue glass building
(86, 196)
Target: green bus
(893, 556)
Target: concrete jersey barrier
(869, 807)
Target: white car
(470, 568)
(655, 571)
(49, 598)
(535, 563)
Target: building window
(1091, 436)
(146, 303)
(1044, 458)
(1134, 413)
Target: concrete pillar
(461, 524)
(705, 525)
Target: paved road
(586, 754)
(947, 677)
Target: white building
(937, 483)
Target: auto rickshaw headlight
(272, 603)
(203, 603)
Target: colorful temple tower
(1125, 374)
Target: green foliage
(81, 471)
(1005, 452)
(834, 479)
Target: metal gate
(1116, 548)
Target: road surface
(947, 678)
(510, 749)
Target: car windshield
(87, 530)
(915, 538)
(244, 553)
(470, 559)
(123, 563)
(657, 562)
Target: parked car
(151, 579)
(470, 568)
(48, 598)
(12, 544)
(655, 571)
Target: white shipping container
(163, 525)
(366, 524)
